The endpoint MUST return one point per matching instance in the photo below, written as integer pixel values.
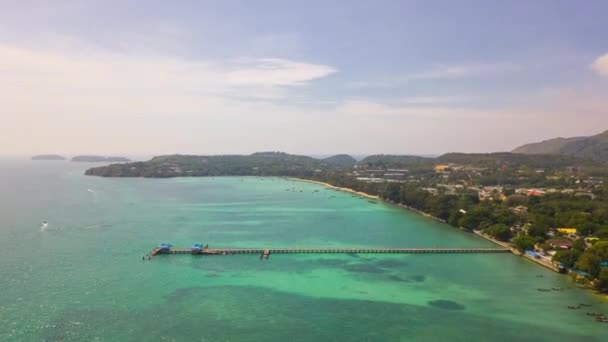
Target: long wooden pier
(265, 252)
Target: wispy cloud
(276, 72)
(600, 65)
(439, 72)
(46, 72)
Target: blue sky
(300, 76)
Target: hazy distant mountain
(551, 146)
(594, 147)
(48, 157)
(100, 159)
(341, 160)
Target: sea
(81, 276)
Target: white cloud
(106, 76)
(276, 72)
(600, 65)
(91, 101)
(439, 72)
(70, 101)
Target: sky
(309, 77)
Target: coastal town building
(566, 231)
(560, 243)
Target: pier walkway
(328, 250)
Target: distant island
(48, 157)
(594, 147)
(100, 159)
(551, 208)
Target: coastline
(514, 251)
(419, 212)
(333, 187)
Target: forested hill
(594, 147)
(341, 160)
(257, 164)
(512, 160)
(283, 164)
(388, 161)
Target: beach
(333, 187)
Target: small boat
(585, 304)
(543, 290)
(574, 307)
(44, 226)
(596, 314)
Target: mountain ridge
(593, 147)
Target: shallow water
(82, 278)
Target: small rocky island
(100, 159)
(48, 157)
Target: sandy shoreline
(333, 187)
(478, 233)
(514, 251)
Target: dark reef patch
(446, 304)
(388, 263)
(181, 294)
(363, 268)
(398, 278)
(410, 279)
(418, 278)
(331, 262)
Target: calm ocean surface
(83, 277)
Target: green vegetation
(385, 161)
(341, 160)
(524, 242)
(257, 164)
(500, 231)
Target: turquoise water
(82, 278)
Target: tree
(515, 200)
(538, 229)
(474, 217)
(602, 232)
(499, 231)
(508, 191)
(568, 258)
(524, 242)
(602, 280)
(591, 258)
(579, 244)
(589, 263)
(456, 215)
